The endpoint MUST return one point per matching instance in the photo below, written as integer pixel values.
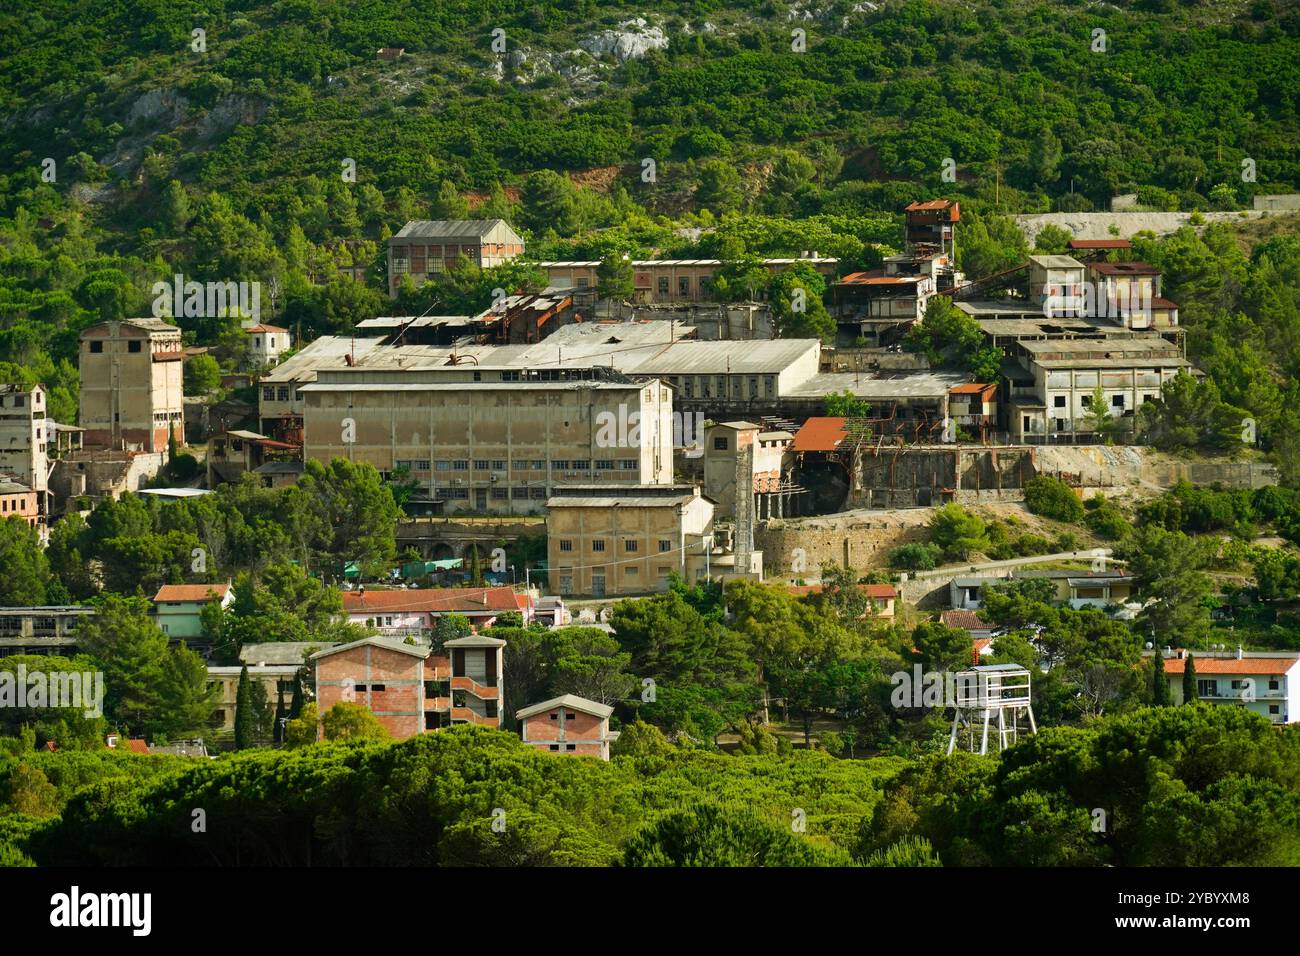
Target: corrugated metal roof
(450, 228)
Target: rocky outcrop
(630, 40)
(163, 108)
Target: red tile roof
(977, 646)
(820, 434)
(253, 329)
(966, 620)
(190, 592)
(1230, 665)
(435, 600)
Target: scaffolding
(994, 695)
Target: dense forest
(1190, 786)
(138, 148)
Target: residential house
(881, 597)
(1265, 682)
(276, 679)
(178, 608)
(1078, 589)
(568, 724)
(19, 501)
(475, 681)
(385, 674)
(266, 343)
(413, 612)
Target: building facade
(493, 441)
(25, 437)
(425, 249)
(1264, 682)
(276, 679)
(266, 343)
(668, 281)
(178, 608)
(606, 540)
(414, 612)
(41, 630)
(19, 501)
(568, 724)
(132, 394)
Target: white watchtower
(988, 693)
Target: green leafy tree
(349, 721)
(1053, 498)
(26, 574)
(614, 279)
(957, 532)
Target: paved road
(1088, 554)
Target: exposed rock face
(163, 107)
(229, 112)
(632, 39)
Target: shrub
(914, 557)
(1052, 498)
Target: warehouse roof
(450, 228)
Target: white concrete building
(1265, 682)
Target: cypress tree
(475, 572)
(244, 712)
(1189, 681)
(296, 702)
(281, 714)
(1160, 687)
(171, 443)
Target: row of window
(517, 493)
(422, 465)
(132, 345)
(630, 545)
(710, 386)
(1116, 401)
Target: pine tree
(1160, 687)
(1189, 681)
(244, 712)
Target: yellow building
(131, 385)
(277, 679)
(605, 540)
